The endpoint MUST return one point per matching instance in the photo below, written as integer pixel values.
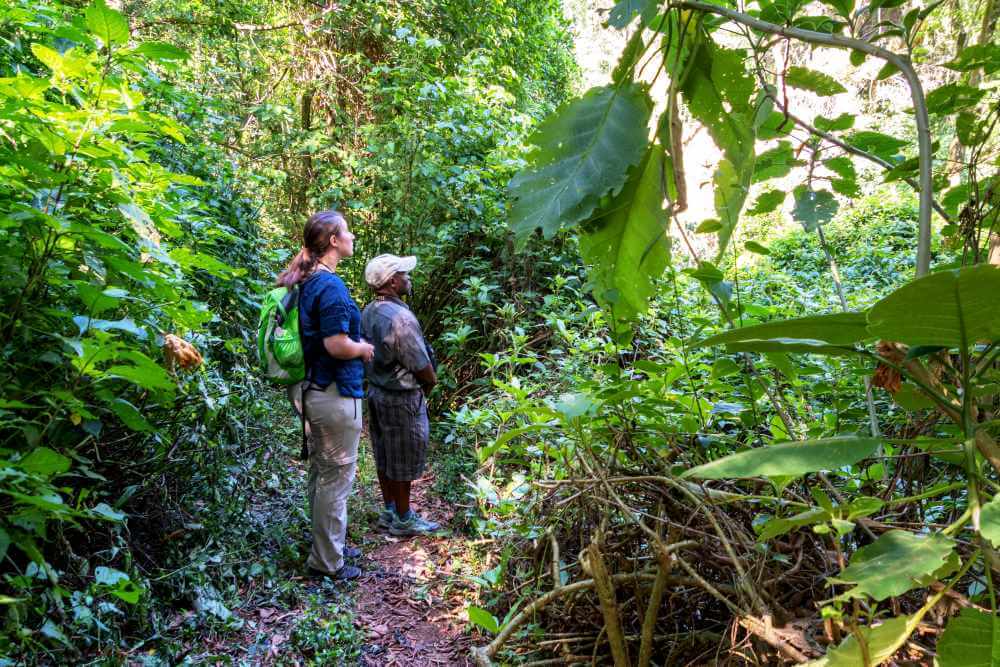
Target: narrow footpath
(410, 599)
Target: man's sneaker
(385, 518)
(412, 524)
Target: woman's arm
(342, 347)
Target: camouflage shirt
(400, 349)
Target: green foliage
(813, 208)
(720, 95)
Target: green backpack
(279, 346)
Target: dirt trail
(408, 600)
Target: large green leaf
(804, 78)
(720, 95)
(793, 345)
(882, 641)
(781, 525)
(628, 248)
(107, 23)
(835, 329)
(935, 309)
(585, 149)
(44, 462)
(893, 564)
(972, 639)
(130, 415)
(788, 458)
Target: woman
(330, 323)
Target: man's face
(402, 283)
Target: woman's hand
(342, 347)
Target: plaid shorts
(400, 431)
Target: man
(399, 375)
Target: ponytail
(319, 229)
(298, 269)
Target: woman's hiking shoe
(412, 524)
(352, 553)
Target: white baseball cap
(381, 268)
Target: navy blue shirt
(327, 309)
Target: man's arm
(426, 377)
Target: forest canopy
(713, 287)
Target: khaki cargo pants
(333, 423)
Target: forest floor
(407, 608)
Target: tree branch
(902, 63)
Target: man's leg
(388, 492)
(377, 432)
(402, 497)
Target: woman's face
(343, 243)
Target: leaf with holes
(585, 149)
